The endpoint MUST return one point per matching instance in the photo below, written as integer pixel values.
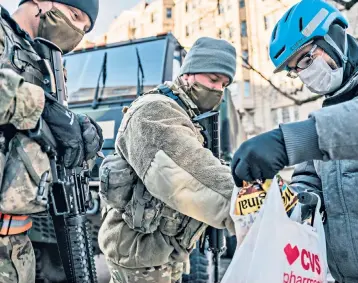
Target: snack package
(251, 196)
(247, 201)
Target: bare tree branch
(347, 4)
(310, 99)
(247, 65)
(282, 3)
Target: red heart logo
(291, 253)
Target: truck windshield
(83, 70)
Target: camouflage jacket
(22, 162)
(187, 188)
(21, 103)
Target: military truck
(100, 82)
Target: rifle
(70, 196)
(210, 124)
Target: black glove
(91, 135)
(260, 157)
(66, 129)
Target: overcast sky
(109, 9)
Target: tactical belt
(141, 201)
(14, 224)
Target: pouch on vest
(120, 188)
(143, 212)
(185, 229)
(117, 181)
(26, 178)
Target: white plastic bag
(242, 223)
(278, 249)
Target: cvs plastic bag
(278, 249)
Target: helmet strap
(343, 55)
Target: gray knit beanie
(90, 7)
(209, 55)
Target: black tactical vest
(19, 53)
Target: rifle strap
(26, 160)
(41, 49)
(140, 205)
(181, 98)
(165, 90)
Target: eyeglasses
(304, 62)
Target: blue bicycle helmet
(299, 26)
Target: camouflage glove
(91, 135)
(66, 129)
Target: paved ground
(104, 277)
(103, 274)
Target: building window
(220, 33)
(228, 5)
(220, 8)
(200, 24)
(153, 17)
(286, 115)
(187, 31)
(231, 32)
(296, 113)
(266, 23)
(274, 97)
(169, 13)
(242, 3)
(245, 57)
(243, 29)
(274, 116)
(246, 88)
(186, 7)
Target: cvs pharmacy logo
(291, 253)
(308, 260)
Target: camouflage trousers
(17, 259)
(169, 273)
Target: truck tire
(199, 268)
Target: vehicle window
(84, 70)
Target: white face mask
(320, 78)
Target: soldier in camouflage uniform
(162, 187)
(22, 102)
